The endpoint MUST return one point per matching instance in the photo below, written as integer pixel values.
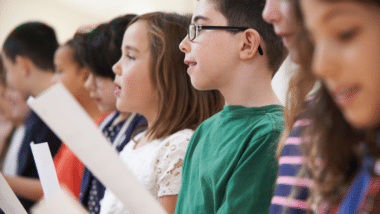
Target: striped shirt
(284, 200)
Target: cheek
(364, 71)
(107, 91)
(69, 82)
(137, 87)
(10, 77)
(133, 85)
(5, 108)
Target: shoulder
(211, 120)
(101, 118)
(266, 131)
(108, 119)
(180, 137)
(271, 122)
(275, 115)
(139, 119)
(175, 143)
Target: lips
(191, 64)
(117, 89)
(286, 37)
(343, 96)
(97, 99)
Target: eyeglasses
(194, 29)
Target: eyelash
(346, 35)
(130, 57)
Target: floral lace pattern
(158, 165)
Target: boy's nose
(184, 46)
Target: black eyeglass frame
(229, 28)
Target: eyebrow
(131, 48)
(200, 18)
(329, 15)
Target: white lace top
(158, 165)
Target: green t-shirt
(230, 164)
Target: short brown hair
(181, 106)
(248, 13)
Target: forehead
(206, 11)
(136, 36)
(318, 12)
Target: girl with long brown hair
(151, 79)
(343, 151)
(292, 184)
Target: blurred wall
(66, 16)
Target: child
(151, 80)
(291, 191)
(72, 74)
(27, 54)
(230, 165)
(344, 140)
(101, 49)
(7, 126)
(13, 112)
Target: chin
(201, 86)
(365, 122)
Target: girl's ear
(249, 44)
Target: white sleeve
(169, 163)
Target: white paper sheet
(9, 202)
(45, 167)
(61, 202)
(74, 126)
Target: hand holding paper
(9, 202)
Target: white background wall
(66, 16)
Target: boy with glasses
(230, 165)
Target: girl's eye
(130, 57)
(347, 34)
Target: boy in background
(230, 165)
(27, 54)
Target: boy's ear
(24, 65)
(250, 43)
